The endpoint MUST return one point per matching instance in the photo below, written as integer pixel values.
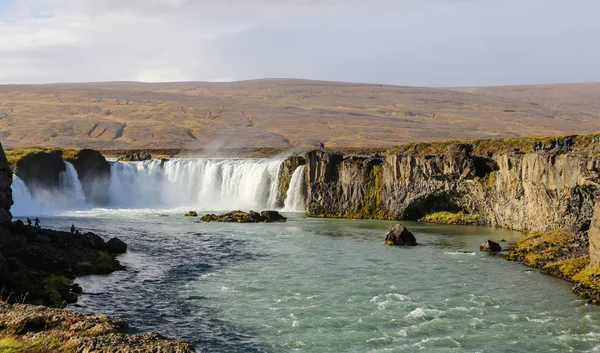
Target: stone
(116, 246)
(91, 240)
(192, 214)
(399, 235)
(490, 246)
(272, 216)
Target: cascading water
(71, 186)
(296, 196)
(24, 203)
(196, 183)
(205, 184)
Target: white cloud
(419, 42)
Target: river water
(320, 285)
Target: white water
(201, 184)
(296, 197)
(71, 186)
(24, 202)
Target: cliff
(5, 190)
(536, 191)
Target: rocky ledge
(38, 266)
(31, 328)
(244, 217)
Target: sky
(402, 42)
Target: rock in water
(490, 246)
(399, 235)
(116, 246)
(272, 216)
(192, 214)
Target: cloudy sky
(403, 42)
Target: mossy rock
(192, 214)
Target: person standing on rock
(29, 221)
(38, 224)
(72, 229)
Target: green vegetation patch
(14, 155)
(459, 218)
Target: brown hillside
(283, 113)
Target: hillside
(284, 113)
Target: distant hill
(284, 113)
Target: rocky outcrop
(594, 238)
(41, 264)
(286, 170)
(245, 217)
(93, 171)
(534, 191)
(136, 157)
(41, 170)
(5, 190)
(399, 235)
(40, 329)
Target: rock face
(41, 170)
(534, 191)
(5, 190)
(399, 235)
(93, 171)
(594, 237)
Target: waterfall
(296, 197)
(202, 183)
(24, 204)
(71, 186)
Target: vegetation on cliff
(499, 145)
(14, 155)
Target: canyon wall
(523, 191)
(5, 189)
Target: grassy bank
(561, 254)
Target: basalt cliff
(536, 191)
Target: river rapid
(308, 285)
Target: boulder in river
(192, 214)
(116, 246)
(490, 246)
(399, 235)
(272, 216)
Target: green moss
(453, 218)
(488, 181)
(496, 146)
(11, 344)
